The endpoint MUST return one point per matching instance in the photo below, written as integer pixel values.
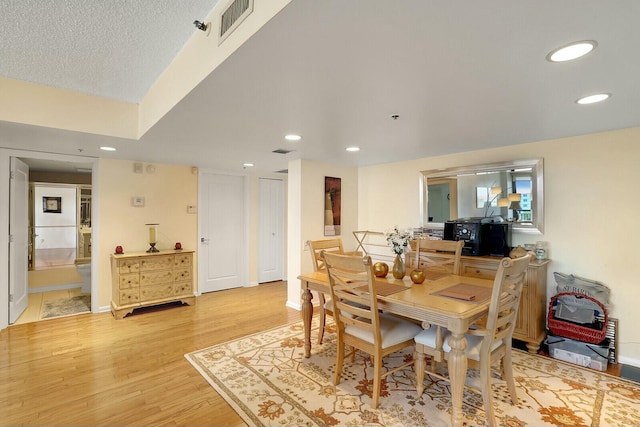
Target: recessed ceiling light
(292, 137)
(108, 148)
(572, 51)
(352, 149)
(593, 98)
(247, 165)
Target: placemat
(434, 275)
(466, 292)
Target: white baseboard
(251, 285)
(295, 306)
(629, 361)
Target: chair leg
(485, 379)
(323, 317)
(377, 380)
(419, 365)
(507, 375)
(339, 360)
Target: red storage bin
(573, 330)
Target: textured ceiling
(461, 75)
(110, 48)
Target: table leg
(307, 315)
(457, 373)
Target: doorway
(270, 230)
(59, 235)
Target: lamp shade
(514, 197)
(515, 206)
(503, 202)
(496, 190)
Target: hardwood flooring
(91, 369)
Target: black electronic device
(495, 239)
(468, 230)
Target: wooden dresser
(144, 279)
(532, 312)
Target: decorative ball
(417, 276)
(380, 269)
(178, 246)
(119, 250)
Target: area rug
(268, 382)
(66, 306)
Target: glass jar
(541, 250)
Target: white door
(18, 238)
(271, 230)
(221, 223)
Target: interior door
(18, 238)
(271, 230)
(222, 225)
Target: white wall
(591, 205)
(55, 230)
(306, 215)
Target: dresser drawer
(185, 288)
(479, 271)
(148, 293)
(182, 261)
(182, 275)
(128, 281)
(129, 296)
(156, 277)
(126, 266)
(162, 262)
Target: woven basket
(574, 331)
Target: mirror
(512, 191)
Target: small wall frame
(52, 204)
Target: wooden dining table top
(421, 297)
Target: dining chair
(429, 258)
(485, 345)
(315, 248)
(428, 255)
(359, 323)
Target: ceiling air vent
(283, 171)
(231, 17)
(281, 151)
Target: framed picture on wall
(52, 204)
(332, 205)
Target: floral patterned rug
(268, 382)
(66, 306)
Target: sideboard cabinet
(532, 313)
(144, 279)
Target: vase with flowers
(398, 240)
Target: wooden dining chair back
(359, 323)
(315, 248)
(429, 255)
(491, 344)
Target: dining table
(437, 301)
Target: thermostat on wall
(137, 201)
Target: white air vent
(231, 17)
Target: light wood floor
(90, 369)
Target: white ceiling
(461, 76)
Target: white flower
(398, 240)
